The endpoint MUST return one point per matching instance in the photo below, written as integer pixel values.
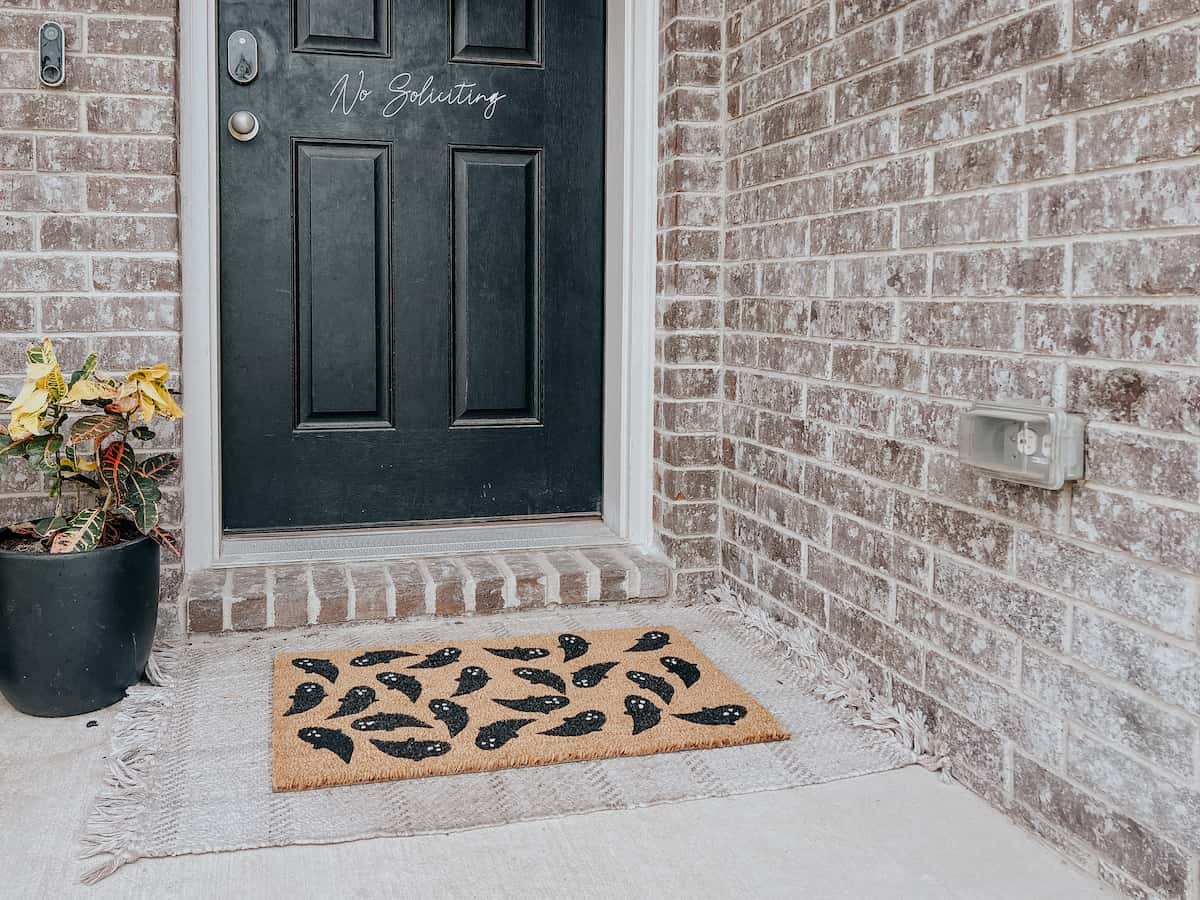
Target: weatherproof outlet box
(1023, 442)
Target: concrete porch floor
(901, 835)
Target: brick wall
(929, 203)
(88, 210)
(687, 379)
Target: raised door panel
(497, 32)
(354, 27)
(343, 307)
(497, 354)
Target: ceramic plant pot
(76, 629)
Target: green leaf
(54, 443)
(35, 449)
(145, 516)
(94, 428)
(41, 528)
(140, 500)
(142, 433)
(81, 534)
(7, 399)
(139, 489)
(159, 467)
(88, 370)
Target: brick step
(289, 596)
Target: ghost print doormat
(418, 710)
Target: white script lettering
(339, 93)
(461, 94)
(347, 96)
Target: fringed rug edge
(111, 831)
(842, 682)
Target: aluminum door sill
(398, 543)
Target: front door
(412, 289)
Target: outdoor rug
(415, 710)
(191, 763)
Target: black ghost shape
(470, 680)
(307, 696)
(405, 684)
(379, 657)
(577, 726)
(535, 704)
(414, 750)
(590, 676)
(543, 677)
(645, 714)
(715, 715)
(496, 735)
(454, 716)
(651, 640)
(687, 672)
(660, 686)
(444, 657)
(387, 722)
(357, 700)
(323, 667)
(522, 654)
(573, 646)
(330, 739)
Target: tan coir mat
(415, 710)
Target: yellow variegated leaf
(30, 399)
(39, 360)
(25, 425)
(56, 383)
(171, 409)
(90, 390)
(157, 373)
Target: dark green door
(412, 262)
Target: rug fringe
(842, 682)
(112, 829)
(163, 662)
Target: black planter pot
(76, 629)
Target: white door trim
(631, 179)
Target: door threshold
(398, 543)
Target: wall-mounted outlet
(52, 55)
(1023, 442)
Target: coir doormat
(415, 710)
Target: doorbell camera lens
(52, 55)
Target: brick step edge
(291, 596)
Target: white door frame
(630, 208)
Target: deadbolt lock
(243, 57)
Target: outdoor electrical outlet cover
(1023, 442)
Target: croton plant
(77, 432)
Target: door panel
(497, 31)
(343, 256)
(497, 269)
(342, 26)
(412, 263)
